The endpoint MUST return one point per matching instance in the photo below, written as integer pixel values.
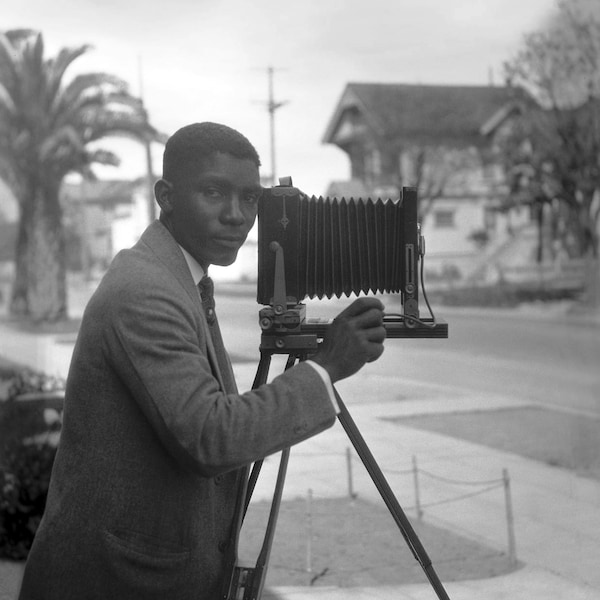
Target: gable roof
(394, 110)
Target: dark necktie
(206, 288)
(207, 294)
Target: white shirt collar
(196, 270)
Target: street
(552, 361)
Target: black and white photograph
(300, 300)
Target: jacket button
(218, 479)
(223, 546)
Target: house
(440, 139)
(105, 216)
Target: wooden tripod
(247, 583)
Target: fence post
(349, 469)
(309, 532)
(512, 546)
(417, 494)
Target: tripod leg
(254, 590)
(390, 500)
(247, 583)
(234, 581)
(261, 377)
(260, 569)
(262, 374)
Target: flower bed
(29, 426)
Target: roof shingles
(440, 111)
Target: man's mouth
(230, 241)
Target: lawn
(558, 438)
(349, 543)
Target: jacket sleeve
(154, 340)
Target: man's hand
(354, 338)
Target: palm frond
(85, 83)
(104, 157)
(113, 123)
(29, 88)
(19, 36)
(45, 125)
(8, 60)
(65, 139)
(7, 103)
(56, 68)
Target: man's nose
(232, 212)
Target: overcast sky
(207, 60)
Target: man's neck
(196, 270)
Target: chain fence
(316, 512)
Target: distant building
(105, 217)
(439, 139)
(110, 216)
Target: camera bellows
(348, 246)
(333, 247)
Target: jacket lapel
(165, 248)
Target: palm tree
(46, 128)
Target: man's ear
(163, 192)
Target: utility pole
(147, 144)
(272, 106)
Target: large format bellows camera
(324, 247)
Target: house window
(443, 219)
(376, 162)
(372, 165)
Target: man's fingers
(376, 334)
(374, 350)
(362, 305)
(371, 318)
(356, 337)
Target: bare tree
(439, 171)
(554, 152)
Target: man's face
(214, 207)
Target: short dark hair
(200, 140)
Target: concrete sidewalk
(557, 513)
(533, 584)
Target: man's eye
(252, 197)
(212, 192)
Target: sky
(207, 60)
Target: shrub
(24, 487)
(26, 457)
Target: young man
(155, 436)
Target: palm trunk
(18, 302)
(41, 259)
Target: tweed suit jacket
(150, 459)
